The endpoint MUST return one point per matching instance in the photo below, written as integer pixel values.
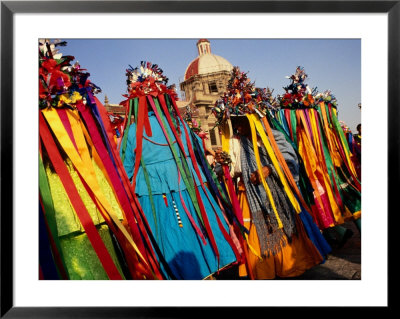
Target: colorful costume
(279, 244)
(282, 252)
(90, 225)
(158, 156)
(310, 123)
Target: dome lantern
(203, 46)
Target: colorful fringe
(319, 139)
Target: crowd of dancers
(144, 197)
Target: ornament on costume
(326, 97)
(298, 94)
(60, 83)
(148, 79)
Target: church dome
(206, 62)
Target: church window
(212, 86)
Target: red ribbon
(64, 119)
(288, 121)
(196, 167)
(106, 122)
(238, 212)
(336, 192)
(232, 193)
(198, 231)
(142, 112)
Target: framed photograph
(375, 23)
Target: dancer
(309, 121)
(85, 233)
(278, 242)
(158, 157)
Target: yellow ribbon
(225, 138)
(309, 156)
(226, 135)
(259, 167)
(252, 249)
(322, 165)
(335, 155)
(97, 158)
(275, 162)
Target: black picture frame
(9, 8)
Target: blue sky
(331, 64)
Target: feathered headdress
(147, 79)
(298, 94)
(242, 97)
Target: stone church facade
(205, 80)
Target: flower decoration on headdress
(326, 97)
(265, 99)
(297, 94)
(148, 79)
(60, 83)
(241, 97)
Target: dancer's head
(241, 125)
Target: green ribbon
(293, 125)
(304, 182)
(351, 197)
(145, 172)
(153, 208)
(182, 164)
